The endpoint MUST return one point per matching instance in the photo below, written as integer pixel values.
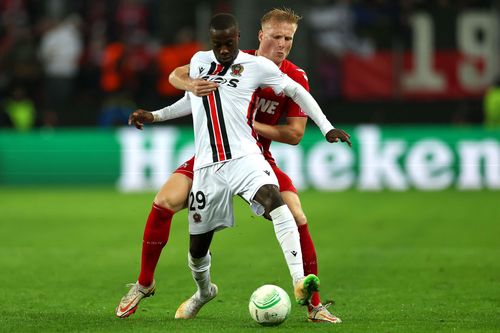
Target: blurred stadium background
(76, 69)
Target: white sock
(200, 269)
(288, 236)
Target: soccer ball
(269, 305)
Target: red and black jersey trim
(225, 138)
(219, 141)
(217, 69)
(210, 128)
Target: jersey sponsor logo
(267, 106)
(220, 80)
(219, 141)
(236, 70)
(216, 73)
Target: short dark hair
(223, 21)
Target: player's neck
(257, 54)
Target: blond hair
(280, 15)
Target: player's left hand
(139, 117)
(337, 134)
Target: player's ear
(261, 35)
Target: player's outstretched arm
(290, 133)
(309, 105)
(179, 109)
(180, 79)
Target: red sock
(309, 257)
(155, 237)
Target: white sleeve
(179, 109)
(271, 76)
(196, 64)
(308, 104)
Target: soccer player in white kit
(229, 161)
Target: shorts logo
(197, 217)
(267, 172)
(294, 253)
(236, 70)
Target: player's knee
(199, 244)
(269, 197)
(197, 253)
(172, 201)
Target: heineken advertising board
(382, 158)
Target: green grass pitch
(393, 262)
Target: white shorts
(210, 203)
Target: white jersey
(223, 120)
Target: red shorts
(284, 181)
(186, 168)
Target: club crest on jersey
(236, 70)
(197, 217)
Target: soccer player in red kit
(276, 37)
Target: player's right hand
(139, 117)
(200, 87)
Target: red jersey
(270, 107)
